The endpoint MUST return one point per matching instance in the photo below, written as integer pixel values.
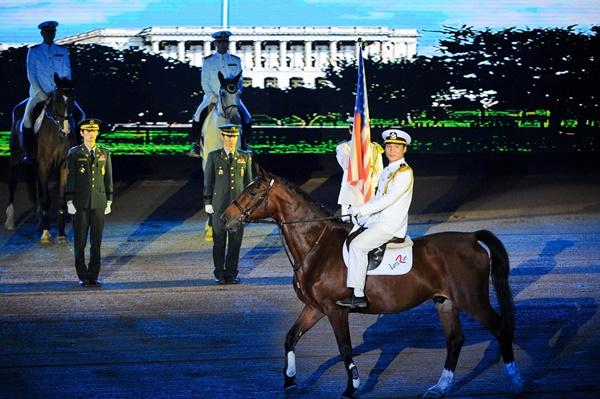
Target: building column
(257, 54)
(307, 55)
(333, 52)
(283, 55)
(232, 47)
(155, 46)
(181, 51)
(206, 50)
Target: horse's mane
(315, 206)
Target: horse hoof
(9, 225)
(434, 393)
(61, 239)
(290, 387)
(45, 239)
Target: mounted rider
(229, 65)
(385, 216)
(43, 61)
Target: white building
(271, 56)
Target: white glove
(107, 210)
(71, 208)
(208, 208)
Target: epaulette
(235, 56)
(404, 167)
(208, 56)
(378, 148)
(35, 45)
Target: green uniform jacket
(224, 182)
(89, 185)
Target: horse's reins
(56, 119)
(265, 198)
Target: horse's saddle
(393, 257)
(37, 115)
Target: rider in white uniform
(350, 195)
(229, 65)
(385, 216)
(43, 61)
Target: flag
(360, 162)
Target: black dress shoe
(233, 281)
(95, 283)
(220, 281)
(84, 283)
(353, 302)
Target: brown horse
(56, 134)
(451, 268)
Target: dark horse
(451, 268)
(55, 135)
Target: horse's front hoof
(434, 392)
(348, 395)
(9, 225)
(45, 239)
(61, 240)
(289, 384)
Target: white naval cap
(396, 136)
(48, 24)
(221, 35)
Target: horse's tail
(500, 269)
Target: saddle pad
(37, 124)
(397, 260)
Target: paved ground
(160, 328)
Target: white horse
(226, 111)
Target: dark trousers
(85, 220)
(226, 266)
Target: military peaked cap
(48, 25)
(396, 136)
(90, 124)
(230, 129)
(221, 35)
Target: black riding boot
(195, 134)
(246, 135)
(25, 135)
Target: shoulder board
(35, 45)
(60, 46)
(235, 56)
(404, 168)
(209, 56)
(378, 147)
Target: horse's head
(60, 104)
(252, 203)
(229, 99)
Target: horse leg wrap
(443, 385)
(291, 364)
(515, 376)
(355, 377)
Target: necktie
(230, 158)
(92, 155)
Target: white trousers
(31, 103)
(358, 254)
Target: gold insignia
(103, 170)
(82, 170)
(220, 171)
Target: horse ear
(260, 171)
(237, 77)
(221, 78)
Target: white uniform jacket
(349, 194)
(388, 210)
(229, 65)
(42, 62)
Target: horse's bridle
(246, 213)
(61, 121)
(225, 109)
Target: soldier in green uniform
(89, 194)
(227, 172)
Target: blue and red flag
(360, 162)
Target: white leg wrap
(443, 385)
(9, 224)
(355, 377)
(291, 364)
(515, 376)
